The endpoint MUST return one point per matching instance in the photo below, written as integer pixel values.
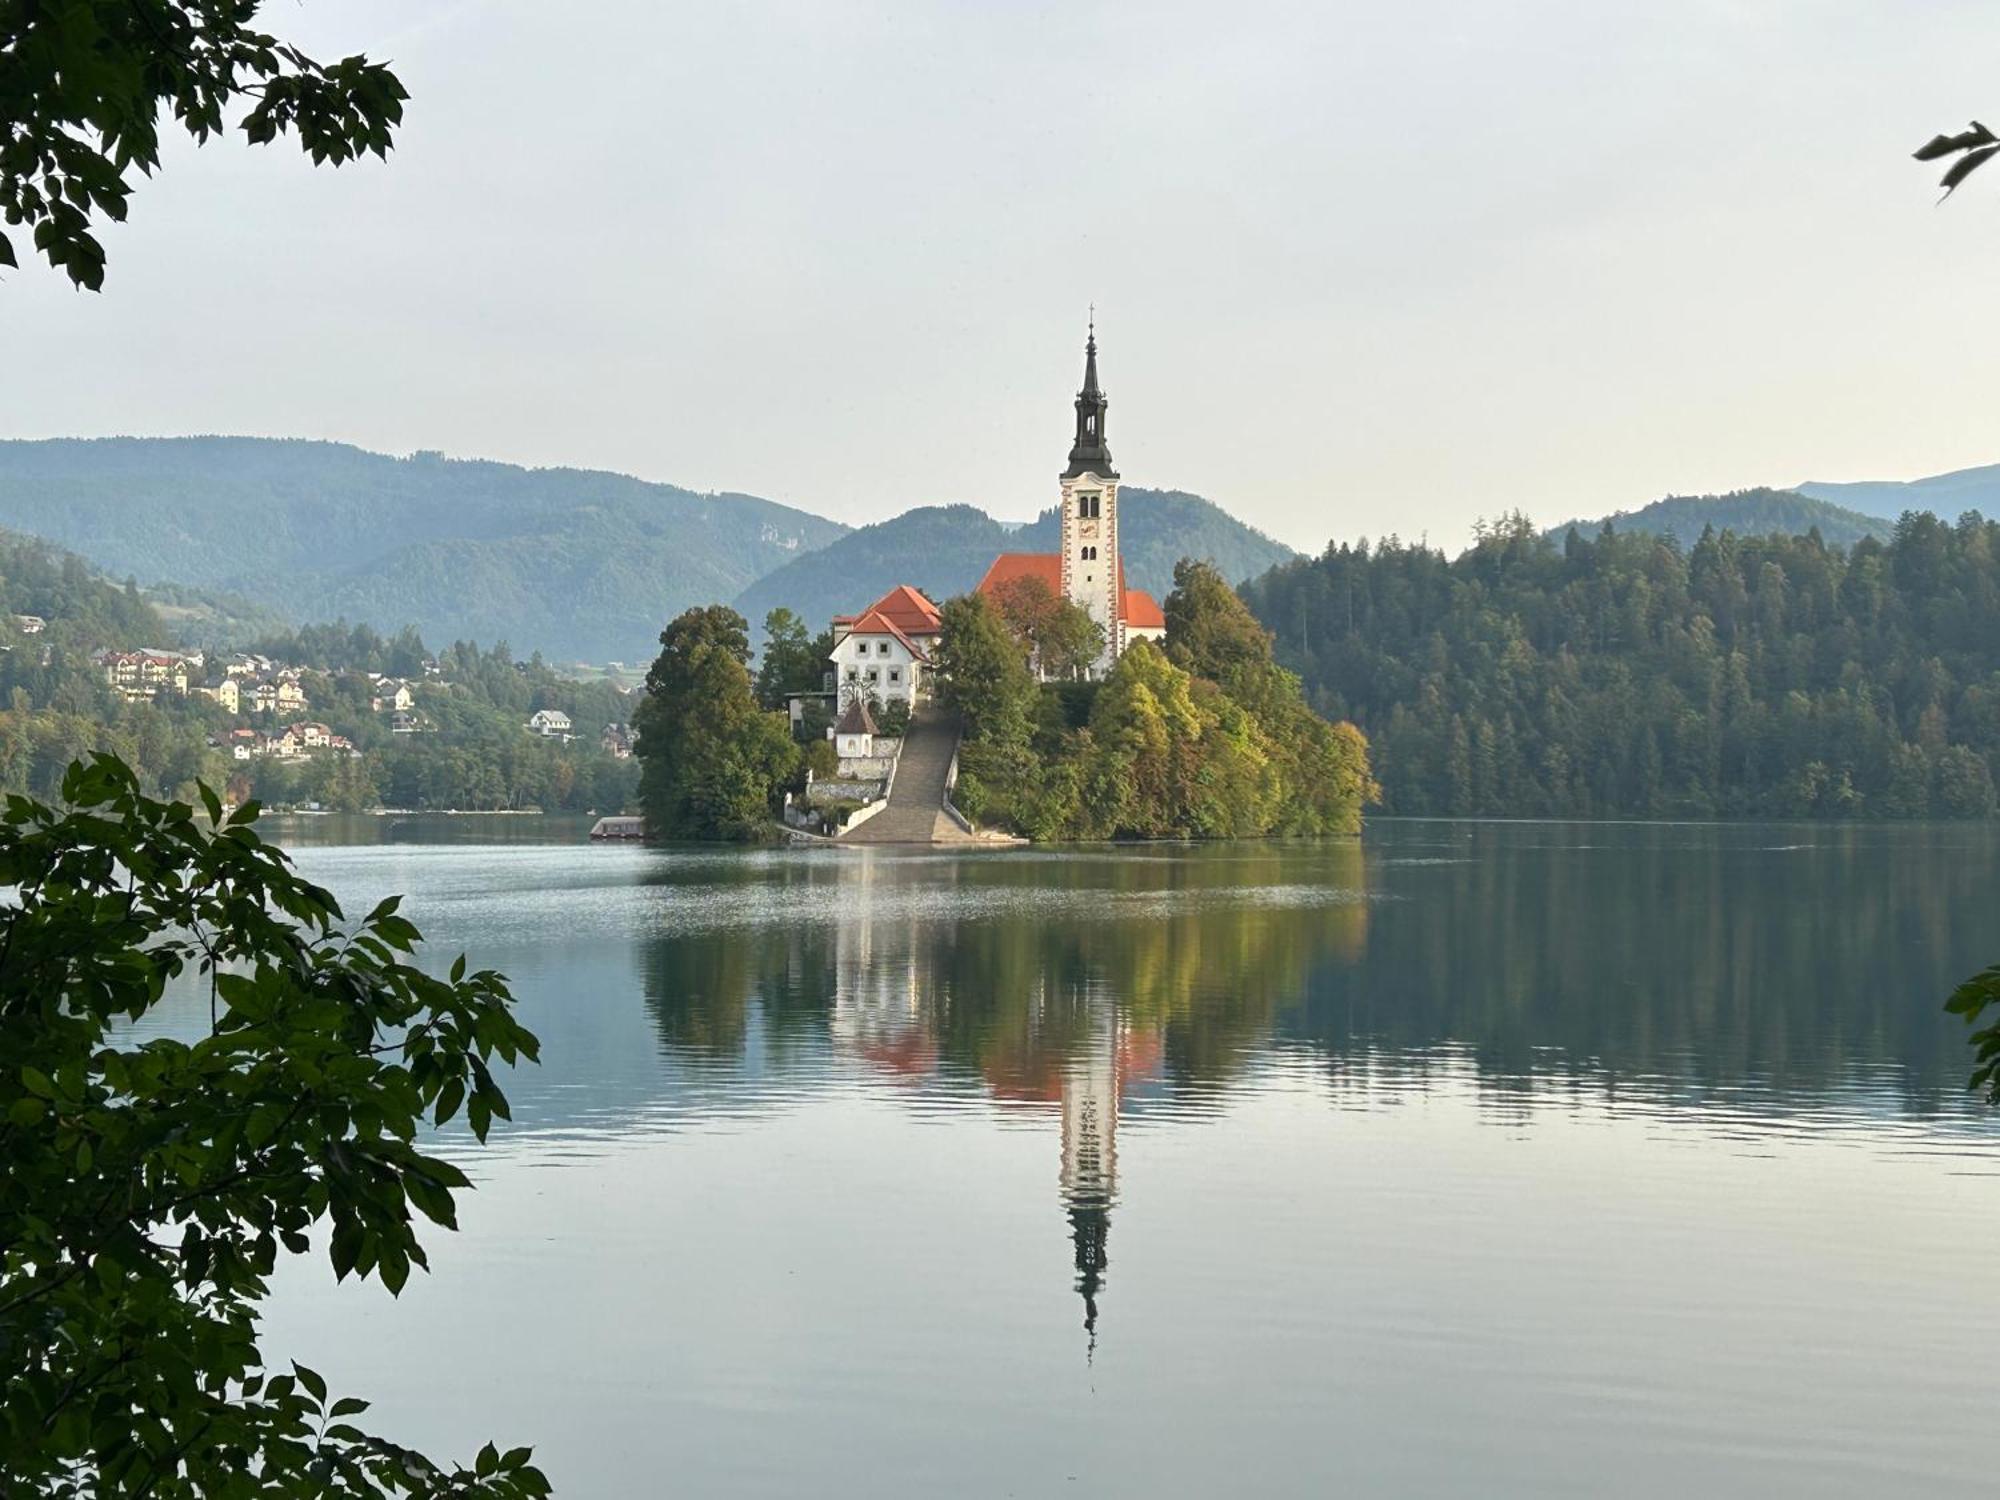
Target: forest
(1621, 675)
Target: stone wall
(876, 767)
(846, 789)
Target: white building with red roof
(884, 653)
(1089, 570)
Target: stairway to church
(915, 814)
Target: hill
(1947, 495)
(1758, 512)
(944, 549)
(577, 563)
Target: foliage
(585, 564)
(1973, 147)
(713, 761)
(1618, 675)
(792, 661)
(982, 674)
(1060, 637)
(1207, 738)
(146, 1188)
(1973, 1000)
(946, 549)
(84, 83)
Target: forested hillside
(944, 549)
(576, 563)
(1618, 675)
(1760, 512)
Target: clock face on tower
(1086, 528)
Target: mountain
(944, 550)
(1759, 512)
(1946, 495)
(577, 563)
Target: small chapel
(1089, 570)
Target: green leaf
(35, 1081)
(310, 1380)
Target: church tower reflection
(1090, 1088)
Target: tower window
(1086, 507)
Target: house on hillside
(30, 624)
(884, 653)
(389, 695)
(550, 724)
(226, 692)
(616, 741)
(1088, 570)
(144, 674)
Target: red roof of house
(907, 609)
(1137, 608)
(877, 623)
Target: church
(1089, 569)
(884, 652)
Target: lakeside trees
(1208, 738)
(712, 759)
(1618, 675)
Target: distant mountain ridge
(945, 549)
(577, 563)
(1947, 496)
(1756, 512)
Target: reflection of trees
(1198, 948)
(1671, 957)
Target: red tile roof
(907, 609)
(877, 623)
(1012, 567)
(1136, 607)
(1141, 612)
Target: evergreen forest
(1622, 675)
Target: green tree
(148, 1187)
(83, 85)
(712, 760)
(1058, 634)
(790, 663)
(983, 673)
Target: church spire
(1089, 454)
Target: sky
(1359, 269)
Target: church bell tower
(1090, 566)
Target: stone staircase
(915, 814)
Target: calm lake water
(1495, 1159)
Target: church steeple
(1089, 454)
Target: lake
(1497, 1159)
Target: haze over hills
(579, 564)
(1948, 496)
(576, 563)
(944, 550)
(1758, 512)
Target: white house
(549, 723)
(884, 653)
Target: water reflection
(1050, 986)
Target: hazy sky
(1358, 268)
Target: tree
(83, 85)
(147, 1187)
(1058, 634)
(983, 673)
(790, 663)
(712, 760)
